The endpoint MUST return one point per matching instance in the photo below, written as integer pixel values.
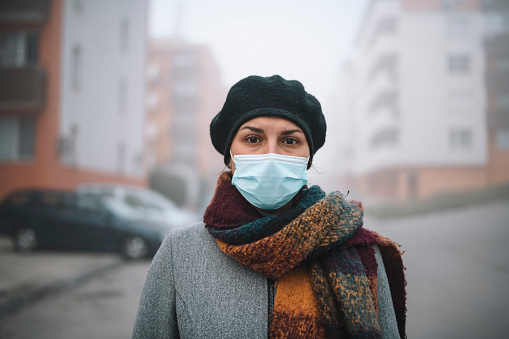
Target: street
(103, 307)
(457, 271)
(457, 274)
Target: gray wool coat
(193, 290)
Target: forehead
(271, 123)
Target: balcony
(496, 82)
(22, 90)
(388, 135)
(385, 99)
(497, 46)
(495, 5)
(498, 118)
(24, 12)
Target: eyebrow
(291, 131)
(254, 129)
(260, 130)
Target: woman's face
(263, 135)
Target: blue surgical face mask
(269, 181)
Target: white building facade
(103, 86)
(418, 100)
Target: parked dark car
(67, 220)
(148, 203)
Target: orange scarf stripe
(296, 303)
(265, 256)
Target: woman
(273, 258)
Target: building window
(19, 49)
(122, 96)
(68, 146)
(153, 72)
(78, 6)
(385, 100)
(387, 64)
(385, 26)
(459, 63)
(453, 4)
(76, 67)
(460, 138)
(186, 88)
(17, 138)
(502, 101)
(496, 22)
(502, 139)
(124, 36)
(385, 136)
(152, 102)
(121, 157)
(458, 27)
(185, 59)
(413, 183)
(502, 64)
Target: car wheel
(25, 240)
(134, 248)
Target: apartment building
(71, 92)
(184, 93)
(496, 47)
(418, 99)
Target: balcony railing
(24, 12)
(22, 90)
(498, 118)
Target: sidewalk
(28, 277)
(439, 202)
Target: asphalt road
(457, 274)
(103, 307)
(457, 271)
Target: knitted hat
(257, 96)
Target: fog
(295, 39)
(414, 93)
(402, 85)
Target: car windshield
(119, 209)
(157, 201)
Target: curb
(440, 202)
(10, 302)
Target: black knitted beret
(257, 96)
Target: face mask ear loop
(231, 156)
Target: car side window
(89, 204)
(134, 201)
(19, 199)
(56, 200)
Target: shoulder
(187, 248)
(190, 233)
(188, 239)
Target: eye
(252, 139)
(290, 141)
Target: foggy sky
(298, 39)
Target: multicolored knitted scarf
(320, 256)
